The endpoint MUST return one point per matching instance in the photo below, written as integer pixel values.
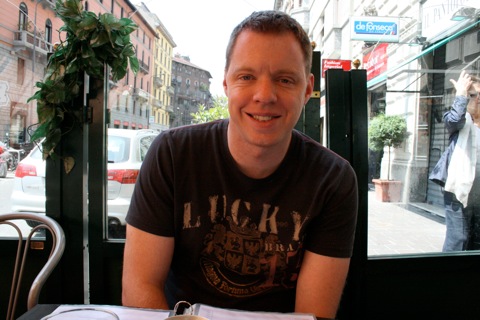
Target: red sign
(335, 64)
(375, 62)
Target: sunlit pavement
(395, 230)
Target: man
(245, 213)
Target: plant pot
(388, 190)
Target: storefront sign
(335, 64)
(437, 16)
(375, 62)
(374, 29)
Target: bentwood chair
(58, 246)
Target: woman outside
(458, 170)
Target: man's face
(267, 87)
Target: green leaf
(91, 42)
(134, 65)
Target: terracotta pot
(388, 190)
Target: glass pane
(126, 151)
(408, 213)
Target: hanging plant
(91, 42)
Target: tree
(218, 111)
(386, 131)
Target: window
(23, 17)
(20, 71)
(48, 34)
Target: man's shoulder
(207, 128)
(313, 148)
(193, 137)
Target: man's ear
(309, 89)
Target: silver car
(126, 151)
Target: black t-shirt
(239, 241)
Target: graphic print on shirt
(243, 257)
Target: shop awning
(392, 72)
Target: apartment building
(191, 85)
(162, 90)
(28, 31)
(129, 99)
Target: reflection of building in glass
(191, 88)
(409, 77)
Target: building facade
(28, 32)
(162, 91)
(409, 75)
(129, 99)
(191, 86)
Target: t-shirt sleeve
(152, 204)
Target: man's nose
(265, 91)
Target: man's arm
(320, 284)
(146, 264)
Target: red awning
(116, 122)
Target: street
(6, 186)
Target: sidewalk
(392, 229)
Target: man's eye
(285, 81)
(247, 77)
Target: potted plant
(387, 131)
(91, 42)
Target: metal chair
(56, 253)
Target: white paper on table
(213, 313)
(103, 312)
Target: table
(41, 310)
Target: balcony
(141, 95)
(145, 68)
(27, 40)
(158, 81)
(171, 90)
(157, 103)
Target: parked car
(126, 151)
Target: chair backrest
(42, 222)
